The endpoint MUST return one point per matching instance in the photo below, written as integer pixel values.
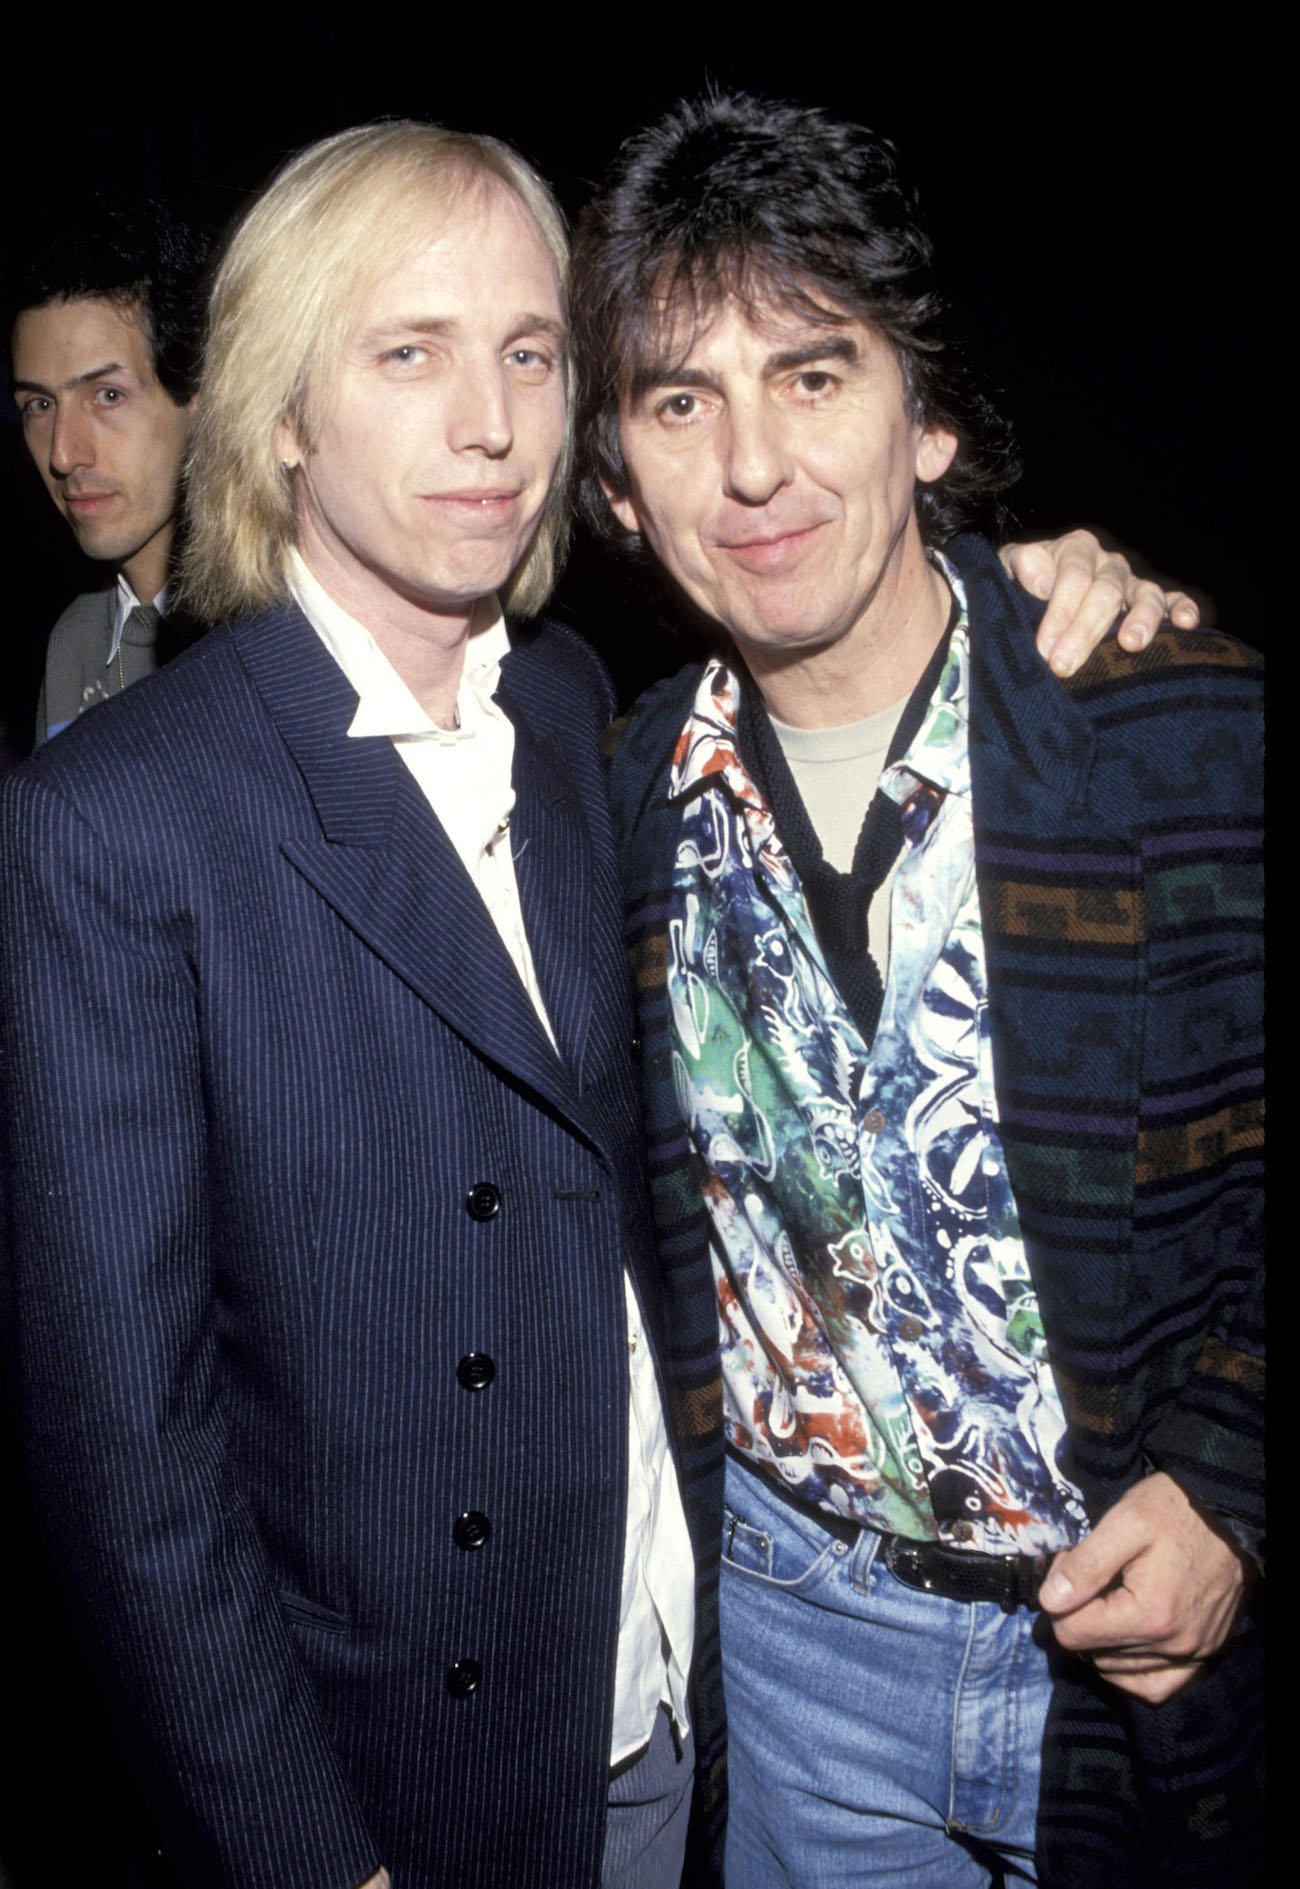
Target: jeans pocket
(745, 1548)
(771, 1550)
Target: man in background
(104, 323)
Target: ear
(287, 449)
(622, 507)
(935, 451)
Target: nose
(480, 417)
(756, 461)
(72, 445)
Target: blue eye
(534, 362)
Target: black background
(1096, 199)
(1095, 204)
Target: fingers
(1144, 1649)
(1183, 610)
(1081, 1576)
(1149, 606)
(1151, 1680)
(1149, 1595)
(1145, 613)
(1088, 589)
(1135, 1622)
(1032, 565)
(1084, 606)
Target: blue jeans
(878, 1735)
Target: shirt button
(910, 1329)
(463, 1678)
(483, 1201)
(471, 1529)
(475, 1371)
(873, 1121)
(963, 1531)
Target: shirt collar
(124, 602)
(707, 751)
(940, 750)
(385, 706)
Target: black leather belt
(1012, 1580)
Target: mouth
(771, 550)
(86, 504)
(474, 503)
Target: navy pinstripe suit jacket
(260, 1040)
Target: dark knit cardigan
(1117, 846)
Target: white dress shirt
(465, 775)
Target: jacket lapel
(382, 861)
(552, 862)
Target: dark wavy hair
(128, 249)
(736, 197)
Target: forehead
(475, 255)
(61, 340)
(747, 332)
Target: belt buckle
(905, 1560)
(1025, 1575)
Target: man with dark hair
(950, 989)
(104, 321)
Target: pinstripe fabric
(1117, 856)
(259, 1040)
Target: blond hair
(283, 303)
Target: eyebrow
(824, 348)
(78, 380)
(539, 325)
(523, 324)
(830, 347)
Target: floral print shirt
(883, 1355)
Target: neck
(877, 663)
(426, 647)
(429, 656)
(148, 569)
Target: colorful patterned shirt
(883, 1354)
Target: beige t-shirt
(837, 771)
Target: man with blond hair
(335, 1294)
